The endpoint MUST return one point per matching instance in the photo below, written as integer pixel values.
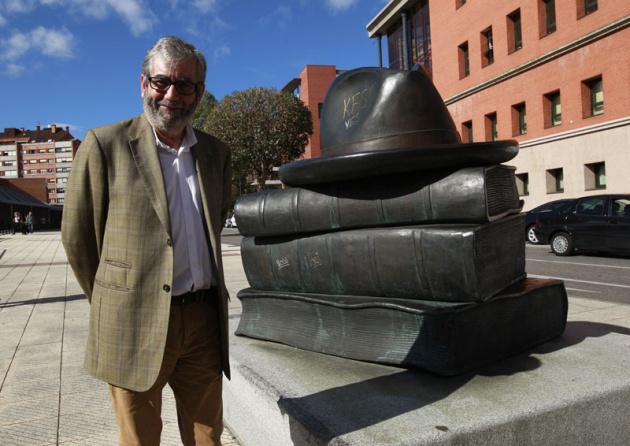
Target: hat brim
(366, 164)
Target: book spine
(433, 262)
(473, 194)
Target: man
(29, 222)
(142, 220)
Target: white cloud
(18, 6)
(139, 18)
(53, 43)
(13, 70)
(14, 47)
(222, 51)
(48, 42)
(340, 5)
(205, 6)
(280, 17)
(136, 14)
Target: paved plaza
(45, 396)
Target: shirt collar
(189, 140)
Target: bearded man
(143, 213)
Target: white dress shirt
(191, 260)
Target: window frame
(487, 47)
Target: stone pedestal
(574, 390)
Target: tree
(264, 127)
(207, 103)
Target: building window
(555, 181)
(553, 109)
(592, 97)
(515, 35)
(585, 7)
(547, 17)
(421, 36)
(492, 132)
(487, 48)
(519, 119)
(522, 183)
(467, 132)
(464, 61)
(595, 176)
(395, 47)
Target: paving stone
(46, 398)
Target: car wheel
(562, 244)
(531, 235)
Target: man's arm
(85, 212)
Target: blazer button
(166, 288)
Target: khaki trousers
(192, 368)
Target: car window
(557, 205)
(621, 207)
(565, 207)
(591, 206)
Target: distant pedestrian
(29, 222)
(16, 223)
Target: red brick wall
(35, 187)
(607, 57)
(315, 80)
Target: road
(599, 277)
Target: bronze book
(449, 262)
(444, 338)
(472, 194)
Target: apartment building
(45, 153)
(553, 75)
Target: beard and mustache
(171, 121)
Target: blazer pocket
(113, 274)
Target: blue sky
(77, 63)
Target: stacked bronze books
(400, 245)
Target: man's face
(169, 111)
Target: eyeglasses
(162, 84)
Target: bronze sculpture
(389, 278)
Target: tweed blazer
(117, 235)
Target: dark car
(530, 218)
(599, 223)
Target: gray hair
(173, 49)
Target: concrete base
(572, 391)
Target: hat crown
(374, 109)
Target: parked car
(530, 218)
(599, 223)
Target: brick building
(38, 154)
(553, 75)
(311, 88)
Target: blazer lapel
(144, 150)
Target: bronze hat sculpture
(378, 121)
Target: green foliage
(264, 127)
(207, 103)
